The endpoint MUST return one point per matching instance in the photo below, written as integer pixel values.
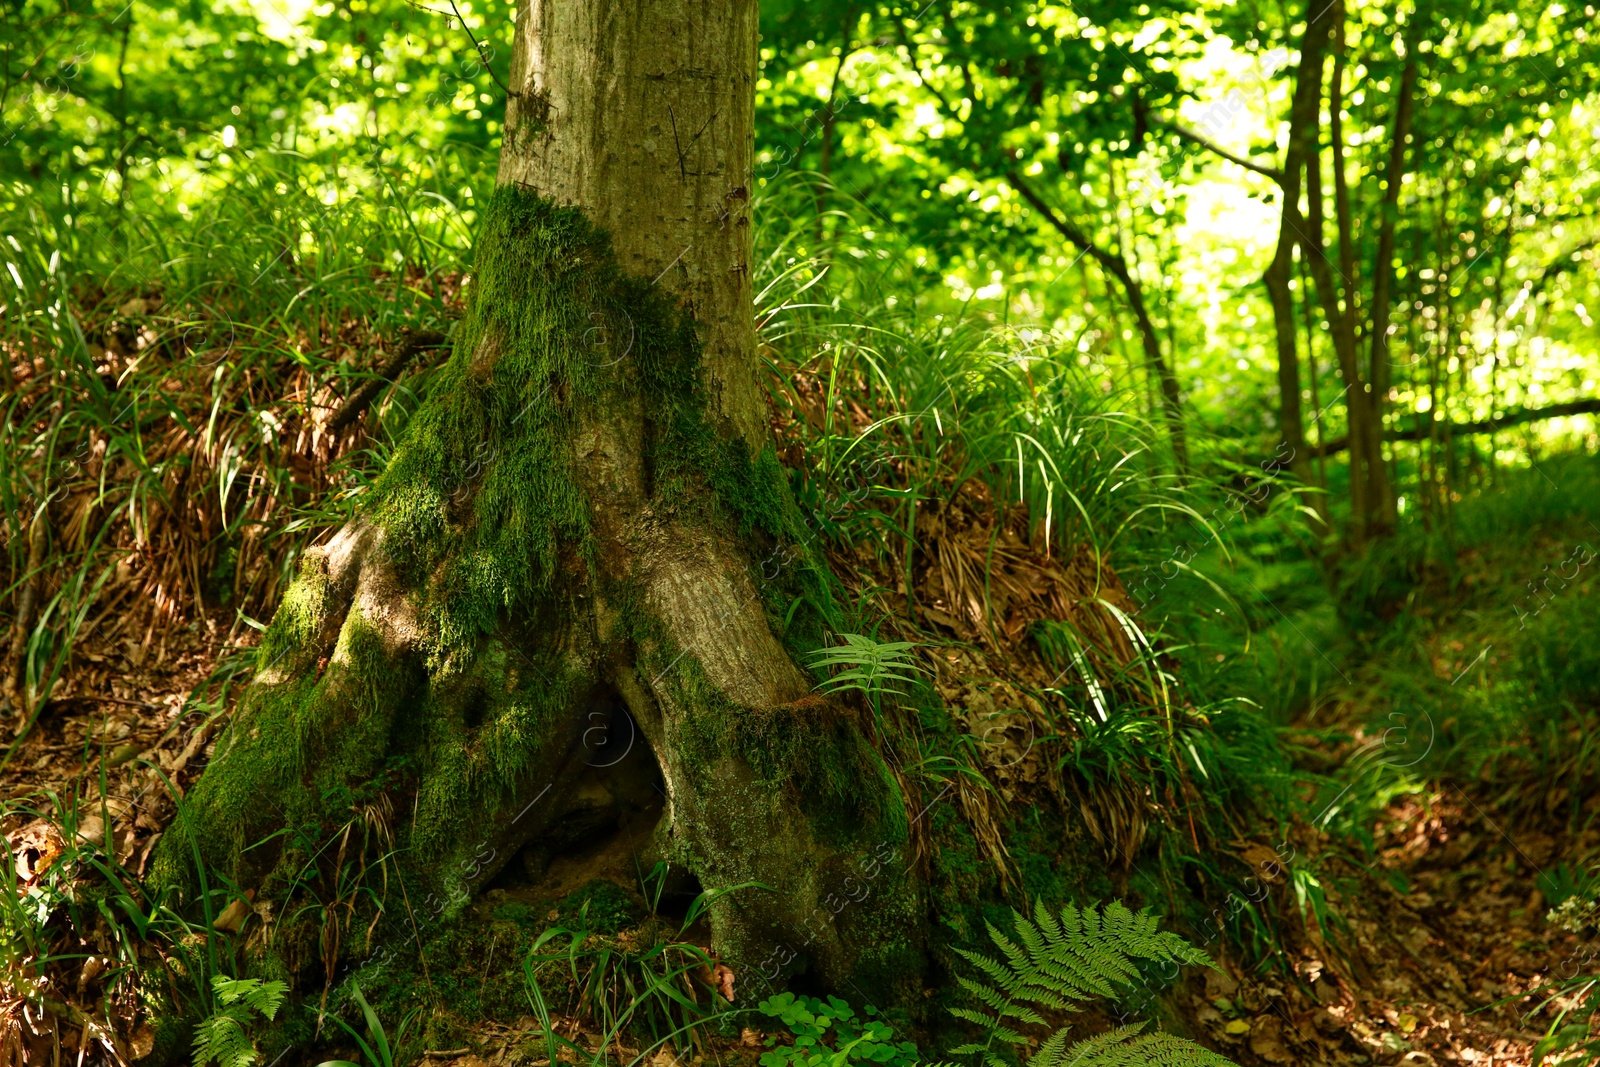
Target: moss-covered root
(768, 784)
(346, 723)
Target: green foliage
(599, 905)
(829, 1033)
(867, 666)
(645, 984)
(376, 1046)
(1056, 962)
(1126, 1046)
(224, 1036)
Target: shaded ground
(1435, 956)
(134, 703)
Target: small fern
(1056, 962)
(222, 1036)
(1127, 1046)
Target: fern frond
(1031, 936)
(1088, 1051)
(1074, 973)
(221, 1037)
(1014, 955)
(267, 998)
(1052, 961)
(971, 1016)
(1049, 1054)
(985, 995)
(1047, 923)
(1128, 1047)
(996, 970)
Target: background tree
(1065, 107)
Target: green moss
(480, 506)
(292, 746)
(602, 906)
(302, 616)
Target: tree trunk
(562, 554)
(1383, 503)
(1303, 122)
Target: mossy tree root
(564, 524)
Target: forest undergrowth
(1361, 783)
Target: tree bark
(565, 549)
(1298, 157)
(642, 115)
(1383, 502)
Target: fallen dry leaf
(1262, 859)
(234, 915)
(34, 848)
(143, 1041)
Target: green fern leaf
(222, 1038)
(1051, 962)
(1048, 925)
(267, 998)
(1128, 1047)
(970, 1015)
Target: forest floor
(1434, 955)
(1438, 958)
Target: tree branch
(1211, 146)
(1117, 267)
(1421, 430)
(358, 400)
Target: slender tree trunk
(1338, 302)
(1321, 502)
(1382, 278)
(1496, 303)
(1341, 180)
(556, 608)
(1303, 123)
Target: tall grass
(168, 388)
(982, 483)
